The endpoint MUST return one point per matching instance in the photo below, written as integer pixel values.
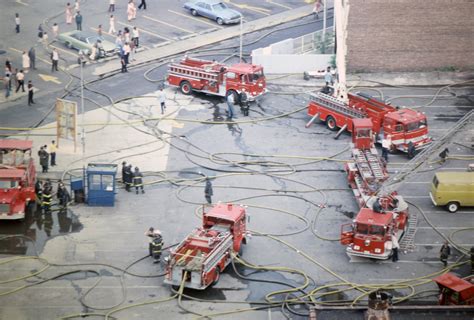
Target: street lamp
(83, 132)
(241, 35)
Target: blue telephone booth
(101, 184)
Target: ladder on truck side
(369, 165)
(334, 104)
(193, 72)
(217, 254)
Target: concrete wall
(410, 35)
(290, 63)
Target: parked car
(83, 41)
(213, 9)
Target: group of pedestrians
(14, 78)
(132, 178)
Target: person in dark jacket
(39, 191)
(63, 195)
(124, 171)
(138, 180)
(411, 150)
(244, 103)
(128, 177)
(208, 192)
(444, 253)
(44, 159)
(47, 195)
(443, 155)
(79, 20)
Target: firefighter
(39, 191)
(47, 195)
(63, 195)
(444, 253)
(377, 206)
(155, 243)
(138, 180)
(395, 247)
(244, 103)
(208, 193)
(124, 170)
(411, 150)
(443, 155)
(128, 176)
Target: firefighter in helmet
(155, 243)
(244, 103)
(138, 180)
(47, 195)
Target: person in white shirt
(135, 37)
(112, 24)
(20, 77)
(386, 145)
(17, 23)
(55, 30)
(395, 247)
(162, 100)
(54, 60)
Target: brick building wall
(410, 35)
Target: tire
(218, 276)
(69, 45)
(194, 12)
(331, 123)
(185, 87)
(452, 206)
(220, 21)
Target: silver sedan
(213, 9)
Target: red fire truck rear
(403, 125)
(370, 233)
(215, 78)
(206, 251)
(17, 178)
(454, 290)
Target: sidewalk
(206, 39)
(434, 78)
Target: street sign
(66, 119)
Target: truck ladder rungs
(336, 105)
(216, 255)
(408, 240)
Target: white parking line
(145, 31)
(65, 51)
(169, 24)
(278, 4)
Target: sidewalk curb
(207, 39)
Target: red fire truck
(17, 178)
(214, 78)
(454, 290)
(380, 217)
(206, 251)
(403, 125)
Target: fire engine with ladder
(381, 217)
(403, 125)
(17, 178)
(206, 251)
(215, 78)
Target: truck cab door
(347, 234)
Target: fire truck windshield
(370, 230)
(416, 125)
(256, 76)
(8, 184)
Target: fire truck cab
(215, 78)
(201, 257)
(454, 290)
(17, 178)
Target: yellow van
(453, 190)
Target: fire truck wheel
(331, 123)
(185, 87)
(453, 206)
(194, 12)
(218, 276)
(220, 21)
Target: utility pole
(83, 132)
(324, 21)
(241, 35)
(341, 11)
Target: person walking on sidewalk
(69, 15)
(55, 30)
(131, 11)
(25, 61)
(135, 37)
(317, 8)
(54, 60)
(6, 84)
(124, 65)
(112, 24)
(17, 23)
(142, 4)
(32, 56)
(78, 20)
(76, 6)
(111, 5)
(20, 77)
(52, 151)
(162, 100)
(30, 93)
